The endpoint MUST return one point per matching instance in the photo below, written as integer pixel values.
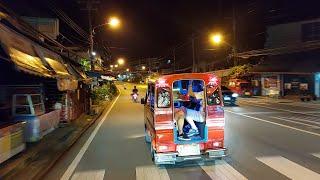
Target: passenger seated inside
(190, 108)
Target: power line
(68, 20)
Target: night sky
(151, 28)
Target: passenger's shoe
(192, 132)
(183, 137)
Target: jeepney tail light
(216, 144)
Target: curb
(45, 171)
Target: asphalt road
(266, 140)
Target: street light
(116, 65)
(120, 61)
(127, 69)
(216, 38)
(93, 53)
(111, 66)
(114, 22)
(143, 67)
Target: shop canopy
(32, 58)
(55, 62)
(22, 53)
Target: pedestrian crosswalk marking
(151, 172)
(222, 170)
(92, 175)
(288, 168)
(316, 155)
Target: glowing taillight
(216, 144)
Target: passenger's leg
(179, 117)
(191, 117)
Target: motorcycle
(134, 97)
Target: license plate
(227, 98)
(188, 149)
(247, 93)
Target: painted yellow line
(288, 168)
(67, 174)
(278, 124)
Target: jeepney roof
(206, 77)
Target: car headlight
(235, 95)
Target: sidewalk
(39, 157)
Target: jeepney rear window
(164, 99)
(213, 95)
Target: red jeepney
(171, 93)
(241, 87)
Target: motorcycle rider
(135, 90)
(134, 94)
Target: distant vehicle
(229, 97)
(135, 97)
(170, 95)
(242, 87)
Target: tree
(239, 71)
(85, 63)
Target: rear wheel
(146, 135)
(152, 152)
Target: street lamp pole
(194, 69)
(113, 22)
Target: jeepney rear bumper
(173, 157)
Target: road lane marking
(316, 155)
(273, 112)
(279, 109)
(151, 172)
(296, 122)
(282, 125)
(67, 174)
(288, 168)
(222, 170)
(305, 120)
(92, 175)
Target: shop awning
(22, 53)
(55, 62)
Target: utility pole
(234, 47)
(194, 69)
(174, 59)
(90, 7)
